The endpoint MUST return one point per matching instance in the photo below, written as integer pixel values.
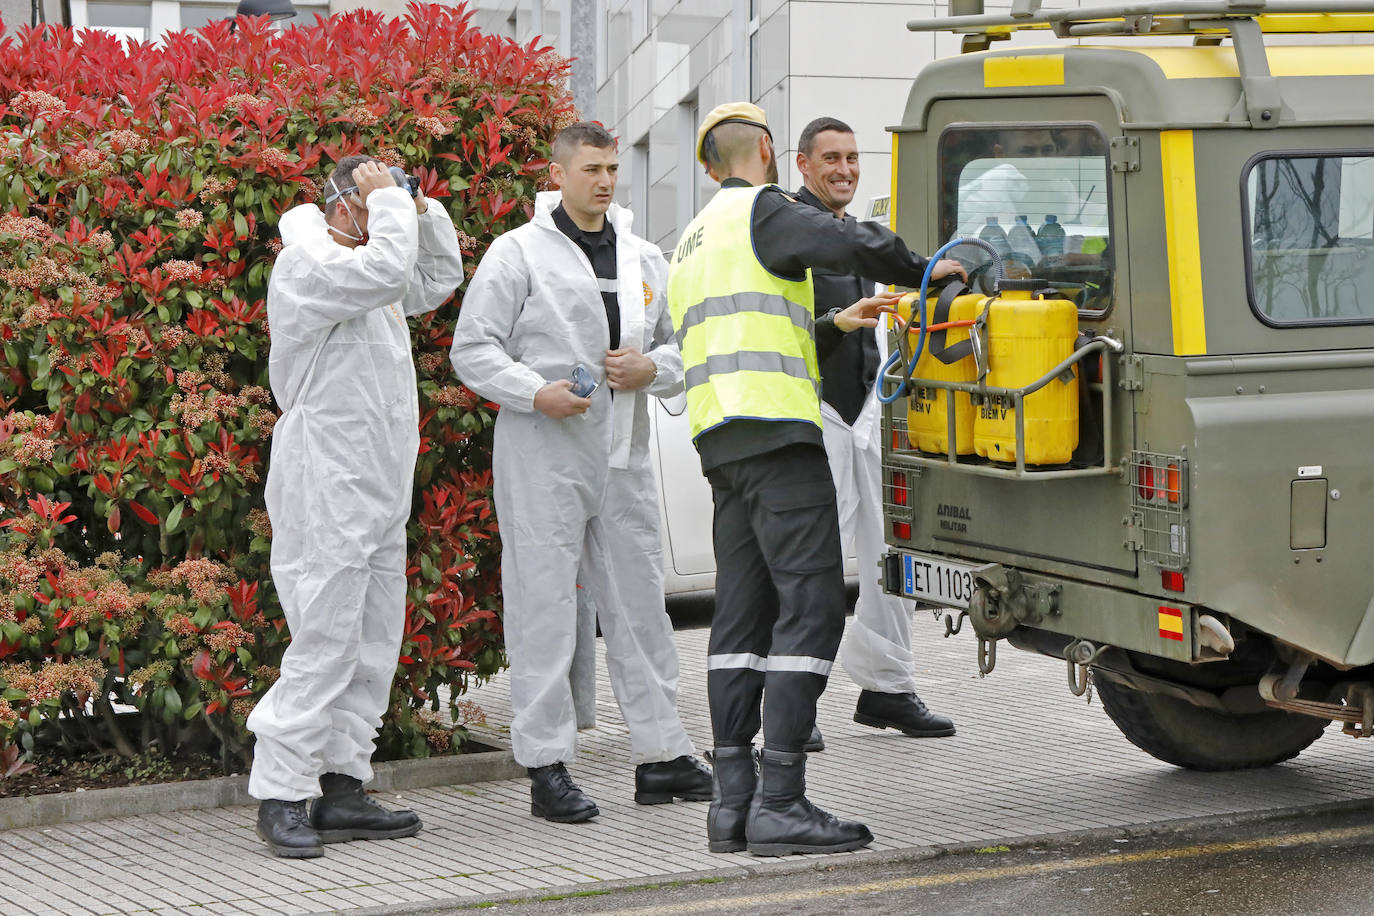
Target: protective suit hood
(304, 225)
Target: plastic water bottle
(995, 236)
(1022, 240)
(1051, 236)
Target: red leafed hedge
(140, 187)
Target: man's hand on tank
(627, 369)
(556, 399)
(369, 177)
(864, 313)
(947, 266)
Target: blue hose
(895, 356)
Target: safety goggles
(338, 193)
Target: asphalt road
(1316, 863)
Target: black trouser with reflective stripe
(779, 595)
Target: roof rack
(1162, 17)
(1208, 21)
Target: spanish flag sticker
(1171, 623)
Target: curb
(484, 764)
(896, 857)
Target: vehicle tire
(1178, 732)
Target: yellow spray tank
(947, 357)
(1027, 336)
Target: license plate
(936, 581)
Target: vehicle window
(1039, 195)
(1310, 245)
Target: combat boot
(684, 777)
(902, 711)
(733, 780)
(781, 819)
(346, 812)
(285, 827)
(555, 797)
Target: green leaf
(42, 481)
(240, 225)
(190, 712)
(194, 298)
(83, 197)
(17, 198)
(81, 640)
(169, 524)
(8, 465)
(458, 183)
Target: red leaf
(143, 513)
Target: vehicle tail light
(899, 493)
(1145, 481)
(900, 497)
(1174, 482)
(1171, 579)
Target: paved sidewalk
(1029, 759)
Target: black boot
(285, 826)
(781, 819)
(659, 783)
(902, 711)
(815, 742)
(346, 812)
(734, 778)
(555, 797)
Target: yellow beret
(730, 112)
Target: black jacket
(850, 367)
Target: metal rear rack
(898, 451)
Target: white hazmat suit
(339, 483)
(576, 497)
(876, 650)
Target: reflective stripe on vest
(747, 335)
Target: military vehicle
(1143, 442)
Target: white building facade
(658, 65)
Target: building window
(639, 183)
(127, 20)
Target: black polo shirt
(599, 247)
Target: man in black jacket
(877, 645)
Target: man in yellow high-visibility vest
(740, 293)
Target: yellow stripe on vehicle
(1023, 70)
(1220, 62)
(892, 192)
(1316, 22)
(1181, 237)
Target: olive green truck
(1142, 440)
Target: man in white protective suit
(876, 651)
(338, 493)
(566, 327)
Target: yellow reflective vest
(747, 335)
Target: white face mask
(340, 195)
